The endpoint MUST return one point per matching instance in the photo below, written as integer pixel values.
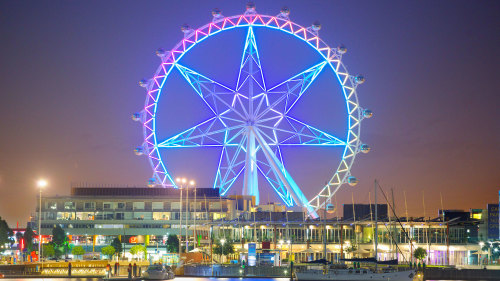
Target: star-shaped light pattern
(250, 112)
(251, 121)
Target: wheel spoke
(250, 67)
(283, 96)
(211, 132)
(231, 164)
(290, 131)
(273, 179)
(279, 169)
(218, 97)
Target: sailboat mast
(393, 226)
(376, 224)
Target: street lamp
(289, 250)
(222, 241)
(179, 181)
(183, 183)
(41, 183)
(195, 242)
(481, 245)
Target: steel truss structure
(251, 120)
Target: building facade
(93, 217)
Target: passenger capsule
(137, 116)
(330, 208)
(365, 148)
(216, 12)
(352, 181)
(161, 52)
(342, 49)
(250, 5)
(285, 11)
(139, 151)
(143, 83)
(367, 113)
(360, 79)
(316, 26)
(185, 28)
(152, 182)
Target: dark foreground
(188, 279)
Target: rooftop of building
(141, 192)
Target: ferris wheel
(251, 119)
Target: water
(177, 278)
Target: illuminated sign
(493, 221)
(252, 254)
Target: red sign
(21, 244)
(132, 239)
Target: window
(109, 226)
(104, 216)
(175, 205)
(138, 205)
(120, 205)
(84, 216)
(89, 205)
(215, 206)
(120, 216)
(69, 205)
(218, 216)
(194, 207)
(52, 205)
(65, 215)
(108, 215)
(108, 205)
(161, 215)
(49, 215)
(157, 205)
(143, 215)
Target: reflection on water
(177, 278)
(122, 279)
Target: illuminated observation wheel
(251, 118)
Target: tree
(117, 244)
(172, 243)
(351, 249)
(495, 251)
(420, 253)
(138, 250)
(28, 239)
(78, 251)
(48, 250)
(5, 233)
(108, 251)
(226, 249)
(59, 240)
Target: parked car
(158, 272)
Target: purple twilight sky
(69, 73)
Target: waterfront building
(93, 217)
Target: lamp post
(195, 241)
(41, 184)
(289, 242)
(183, 183)
(481, 244)
(222, 241)
(179, 181)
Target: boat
(356, 275)
(361, 274)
